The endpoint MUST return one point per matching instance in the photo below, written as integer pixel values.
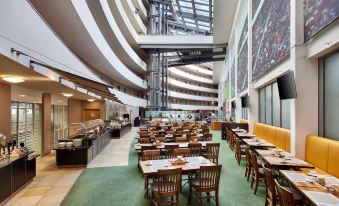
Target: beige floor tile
(36, 191)
(26, 201)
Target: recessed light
(67, 94)
(91, 100)
(13, 79)
(22, 95)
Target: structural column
(46, 123)
(5, 109)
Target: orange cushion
(270, 132)
(280, 138)
(333, 159)
(317, 151)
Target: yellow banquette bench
(243, 121)
(278, 136)
(323, 153)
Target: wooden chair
(185, 152)
(258, 173)
(212, 152)
(150, 155)
(166, 184)
(248, 170)
(180, 139)
(169, 151)
(240, 152)
(169, 132)
(143, 140)
(286, 197)
(144, 148)
(205, 131)
(193, 138)
(206, 181)
(195, 149)
(232, 141)
(207, 137)
(271, 196)
(161, 139)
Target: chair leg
(190, 194)
(200, 198)
(217, 197)
(256, 186)
(208, 196)
(177, 199)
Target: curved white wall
(192, 107)
(28, 33)
(117, 40)
(128, 99)
(189, 86)
(191, 77)
(142, 10)
(199, 70)
(190, 97)
(135, 19)
(84, 13)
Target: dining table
(277, 158)
(307, 183)
(162, 145)
(256, 143)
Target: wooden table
(273, 160)
(244, 135)
(312, 190)
(162, 146)
(261, 144)
(192, 164)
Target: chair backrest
(148, 147)
(212, 152)
(150, 155)
(209, 176)
(192, 138)
(169, 132)
(168, 181)
(248, 157)
(195, 149)
(255, 164)
(185, 152)
(207, 137)
(143, 140)
(270, 187)
(180, 139)
(285, 197)
(161, 139)
(170, 150)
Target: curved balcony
(135, 19)
(199, 70)
(183, 85)
(117, 67)
(129, 99)
(105, 20)
(126, 26)
(192, 107)
(188, 76)
(142, 10)
(190, 97)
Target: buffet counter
(15, 172)
(72, 156)
(216, 125)
(119, 132)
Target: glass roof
(194, 16)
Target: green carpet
(125, 185)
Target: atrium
(169, 102)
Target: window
(330, 97)
(272, 110)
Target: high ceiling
(194, 15)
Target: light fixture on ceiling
(22, 95)
(91, 100)
(67, 94)
(13, 79)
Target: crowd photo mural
(233, 80)
(270, 36)
(318, 14)
(242, 72)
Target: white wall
(191, 77)
(190, 86)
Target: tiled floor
(51, 184)
(49, 187)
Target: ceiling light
(67, 94)
(22, 95)
(91, 100)
(12, 79)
